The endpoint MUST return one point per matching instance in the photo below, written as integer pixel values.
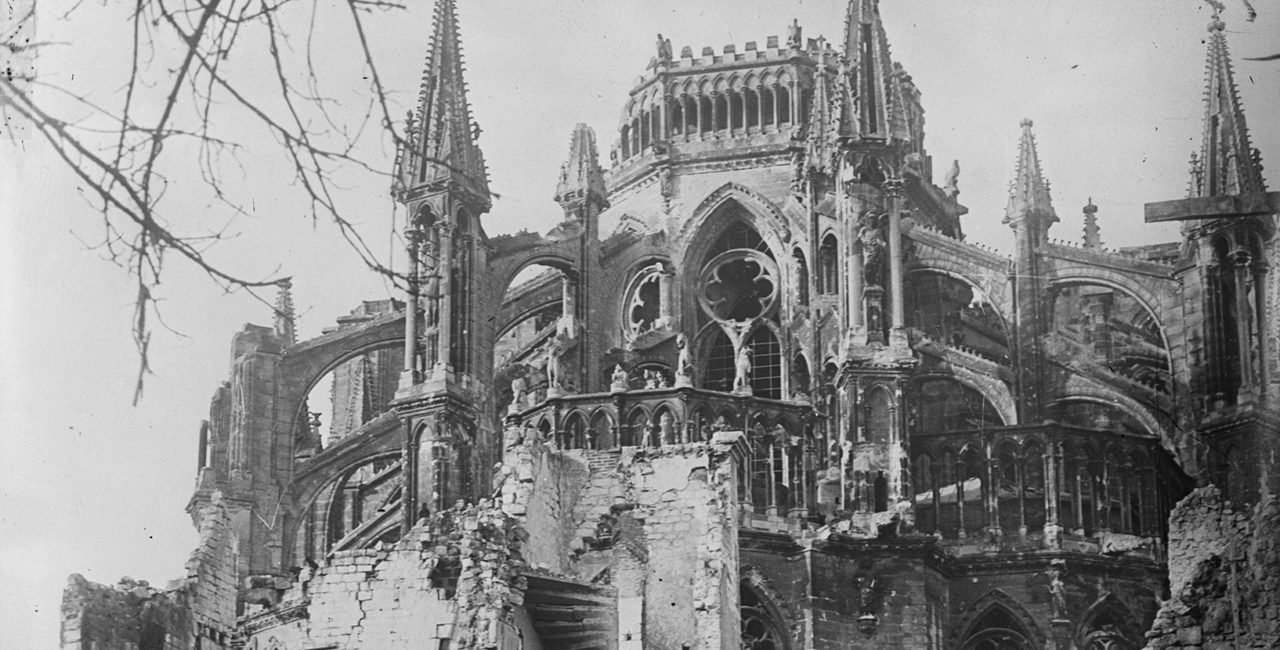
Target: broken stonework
(1224, 568)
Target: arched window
(626, 141)
(602, 436)
(880, 493)
(969, 488)
(766, 106)
(784, 105)
(879, 428)
(799, 375)
(735, 110)
(760, 627)
(574, 432)
(997, 629)
(802, 277)
(720, 370)
(1224, 331)
(828, 266)
(1006, 488)
(752, 106)
(766, 363)
(705, 114)
(677, 116)
(1033, 487)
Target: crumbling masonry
(757, 390)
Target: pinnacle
(1029, 193)
(1226, 164)
(285, 317)
(581, 174)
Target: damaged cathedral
(757, 391)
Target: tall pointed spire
(1227, 163)
(877, 111)
(581, 178)
(441, 142)
(1029, 193)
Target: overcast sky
(90, 484)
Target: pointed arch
(1109, 625)
(763, 215)
(997, 621)
(763, 621)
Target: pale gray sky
(89, 484)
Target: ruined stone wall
(129, 616)
(449, 579)
(658, 524)
(1224, 576)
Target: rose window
(739, 285)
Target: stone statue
(517, 391)
(872, 254)
(553, 367)
(684, 362)
(742, 382)
(1057, 590)
(619, 379)
(652, 379)
(951, 188)
(664, 48)
(793, 33)
(666, 423)
(431, 294)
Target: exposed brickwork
(1224, 575)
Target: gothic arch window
(761, 629)
(879, 409)
(800, 376)
(828, 266)
(626, 141)
(573, 432)
(1224, 328)
(971, 490)
(602, 436)
(1033, 485)
(784, 105)
(997, 629)
(1109, 625)
(752, 101)
(719, 372)
(766, 106)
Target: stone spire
(1029, 193)
(581, 178)
(824, 115)
(1092, 236)
(1227, 163)
(440, 144)
(285, 315)
(877, 111)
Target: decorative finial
(284, 322)
(1092, 234)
